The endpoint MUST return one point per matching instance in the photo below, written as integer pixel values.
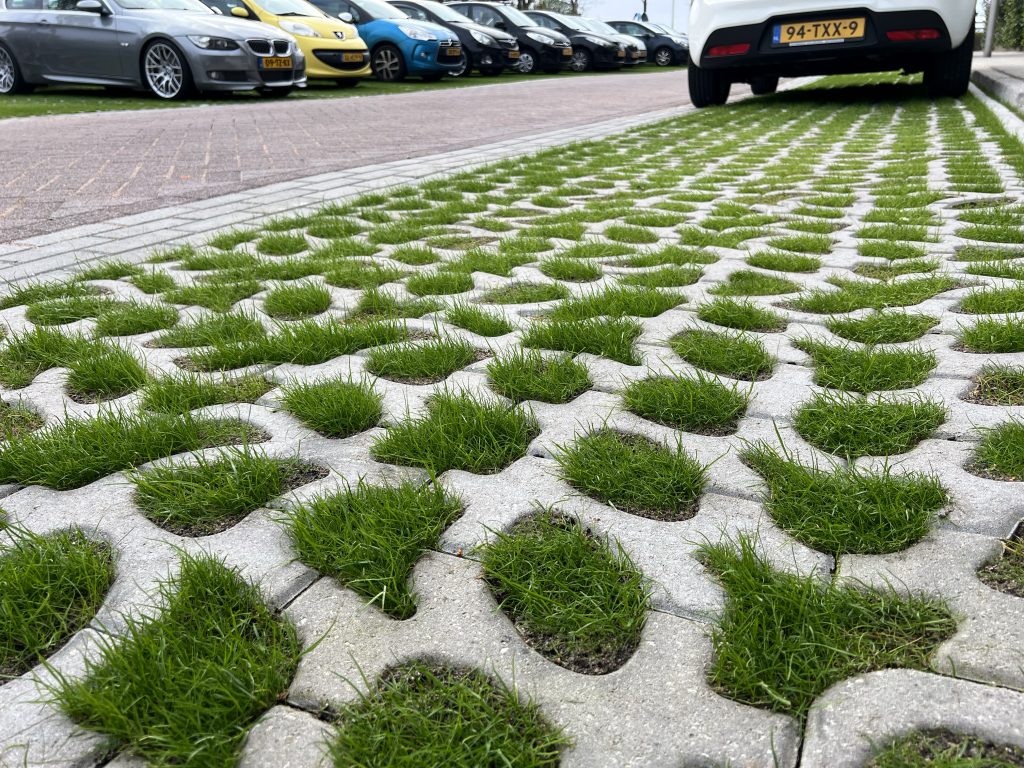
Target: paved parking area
(66, 170)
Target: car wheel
(762, 86)
(275, 93)
(580, 60)
(527, 61)
(348, 82)
(949, 74)
(708, 87)
(388, 64)
(664, 57)
(11, 80)
(166, 72)
(465, 66)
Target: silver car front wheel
(663, 57)
(527, 64)
(388, 64)
(165, 71)
(6, 71)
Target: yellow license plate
(454, 51)
(807, 32)
(513, 54)
(567, 51)
(621, 54)
(635, 54)
(276, 62)
(351, 57)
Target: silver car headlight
(298, 28)
(416, 33)
(214, 43)
(542, 39)
(481, 38)
(598, 41)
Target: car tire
(708, 87)
(11, 79)
(348, 82)
(166, 73)
(276, 93)
(388, 64)
(664, 57)
(527, 61)
(465, 65)
(949, 74)
(580, 60)
(762, 86)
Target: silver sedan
(173, 48)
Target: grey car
(173, 48)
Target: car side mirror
(501, 25)
(92, 6)
(240, 12)
(347, 17)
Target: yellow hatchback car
(333, 49)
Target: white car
(756, 42)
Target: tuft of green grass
(747, 282)
(998, 385)
(79, 451)
(130, 318)
(414, 255)
(528, 375)
(882, 327)
(785, 639)
(478, 260)
(853, 426)
(377, 304)
(994, 336)
(573, 270)
(631, 234)
(185, 392)
(153, 282)
(68, 310)
(944, 749)
(280, 244)
(215, 649)
(856, 369)
(670, 276)
(613, 338)
(994, 301)
(370, 537)
(334, 228)
(1006, 574)
(734, 355)
(892, 251)
(50, 587)
(742, 316)
(634, 474)
(477, 320)
(865, 294)
(1010, 270)
(576, 598)
(423, 362)
(617, 301)
(526, 293)
(213, 330)
(423, 714)
(846, 510)
(29, 354)
(109, 270)
(298, 301)
(784, 262)
(895, 269)
(1000, 455)
(334, 407)
(361, 274)
(216, 296)
(34, 292)
(699, 404)
(17, 420)
(459, 432)
(106, 373)
(439, 283)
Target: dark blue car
(399, 46)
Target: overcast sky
(657, 10)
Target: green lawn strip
(370, 537)
(853, 426)
(422, 714)
(1000, 455)
(844, 510)
(79, 451)
(50, 587)
(211, 494)
(634, 474)
(945, 749)
(891, 327)
(17, 420)
(334, 407)
(422, 362)
(613, 338)
(459, 432)
(998, 385)
(736, 355)
(184, 684)
(522, 375)
(575, 597)
(868, 369)
(185, 392)
(785, 639)
(697, 403)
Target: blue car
(399, 46)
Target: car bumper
(242, 70)
(874, 51)
(607, 58)
(429, 57)
(334, 64)
(635, 57)
(552, 57)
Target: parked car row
(178, 48)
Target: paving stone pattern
(761, 164)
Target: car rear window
(23, 5)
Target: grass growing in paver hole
(573, 270)
(361, 274)
(810, 243)
(105, 373)
(945, 749)
(882, 327)
(784, 639)
(34, 292)
(574, 596)
(747, 282)
(741, 315)
(671, 276)
(526, 293)
(79, 451)
(853, 426)
(17, 420)
(459, 432)
(334, 407)
(281, 244)
(528, 375)
(865, 294)
(212, 494)
(294, 302)
(1006, 574)
(439, 283)
(994, 301)
(219, 297)
(183, 685)
(867, 369)
(634, 474)
(378, 304)
(212, 330)
(891, 251)
(784, 262)
(50, 587)
(414, 255)
(735, 355)
(698, 403)
(478, 320)
(617, 301)
(1008, 269)
(895, 269)
(370, 537)
(185, 392)
(998, 385)
(422, 714)
(109, 270)
(484, 261)
(994, 336)
(422, 362)
(1000, 455)
(131, 317)
(845, 510)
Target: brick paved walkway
(63, 171)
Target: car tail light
(736, 49)
(909, 35)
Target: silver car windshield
(599, 26)
(447, 14)
(381, 10)
(163, 5)
(290, 8)
(517, 17)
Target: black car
(665, 47)
(589, 49)
(485, 48)
(636, 49)
(539, 48)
